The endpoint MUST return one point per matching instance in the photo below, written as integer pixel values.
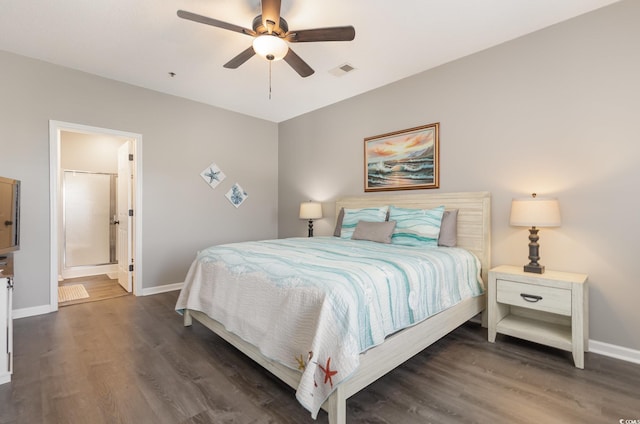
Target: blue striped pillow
(352, 216)
(416, 227)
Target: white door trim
(55, 127)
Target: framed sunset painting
(403, 160)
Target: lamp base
(536, 268)
(534, 255)
(310, 228)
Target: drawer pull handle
(531, 297)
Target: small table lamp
(534, 212)
(310, 210)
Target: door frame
(55, 128)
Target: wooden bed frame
(474, 224)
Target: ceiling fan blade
(214, 22)
(343, 33)
(271, 14)
(298, 65)
(240, 59)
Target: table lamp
(310, 210)
(534, 212)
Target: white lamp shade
(310, 210)
(266, 45)
(535, 212)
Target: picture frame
(236, 195)
(213, 175)
(403, 160)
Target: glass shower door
(89, 207)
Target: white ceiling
(141, 41)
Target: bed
(379, 357)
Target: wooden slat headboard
(474, 216)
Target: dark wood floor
(130, 360)
(99, 287)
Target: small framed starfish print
(213, 175)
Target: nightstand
(550, 308)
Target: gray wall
(181, 213)
(553, 112)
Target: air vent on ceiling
(342, 70)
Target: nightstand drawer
(541, 298)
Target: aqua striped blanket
(314, 304)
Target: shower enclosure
(89, 223)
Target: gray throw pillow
(374, 231)
(338, 229)
(449, 229)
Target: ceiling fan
(271, 34)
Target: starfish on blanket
(301, 363)
(328, 373)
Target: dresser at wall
(6, 320)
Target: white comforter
(315, 304)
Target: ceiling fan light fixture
(270, 47)
(272, 37)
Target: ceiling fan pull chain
(270, 79)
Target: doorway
(95, 213)
(87, 256)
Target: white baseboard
(162, 289)
(30, 312)
(87, 271)
(5, 377)
(614, 351)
